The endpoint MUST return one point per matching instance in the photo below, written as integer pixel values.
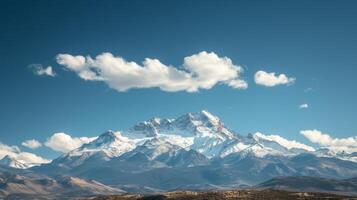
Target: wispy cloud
(348, 144)
(39, 70)
(270, 79)
(199, 71)
(32, 144)
(304, 106)
(63, 142)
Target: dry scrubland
(230, 195)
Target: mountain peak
(107, 136)
(209, 115)
(155, 121)
(278, 140)
(111, 143)
(202, 117)
(108, 133)
(12, 162)
(203, 114)
(206, 116)
(6, 159)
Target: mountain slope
(14, 186)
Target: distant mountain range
(193, 151)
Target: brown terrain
(229, 195)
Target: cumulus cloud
(64, 143)
(271, 79)
(38, 69)
(348, 144)
(289, 144)
(304, 106)
(32, 144)
(199, 71)
(23, 157)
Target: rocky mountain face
(195, 150)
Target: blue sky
(312, 41)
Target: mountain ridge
(159, 151)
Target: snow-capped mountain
(201, 132)
(325, 152)
(155, 152)
(12, 162)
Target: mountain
(312, 184)
(32, 186)
(194, 149)
(12, 162)
(324, 152)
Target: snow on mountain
(108, 145)
(156, 147)
(289, 144)
(201, 124)
(261, 145)
(234, 147)
(12, 162)
(278, 145)
(168, 154)
(201, 132)
(195, 148)
(112, 143)
(350, 157)
(326, 152)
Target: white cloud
(30, 158)
(289, 144)
(270, 79)
(303, 106)
(64, 143)
(348, 144)
(32, 144)
(38, 69)
(23, 157)
(199, 71)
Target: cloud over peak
(348, 144)
(270, 79)
(64, 143)
(23, 157)
(289, 144)
(199, 71)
